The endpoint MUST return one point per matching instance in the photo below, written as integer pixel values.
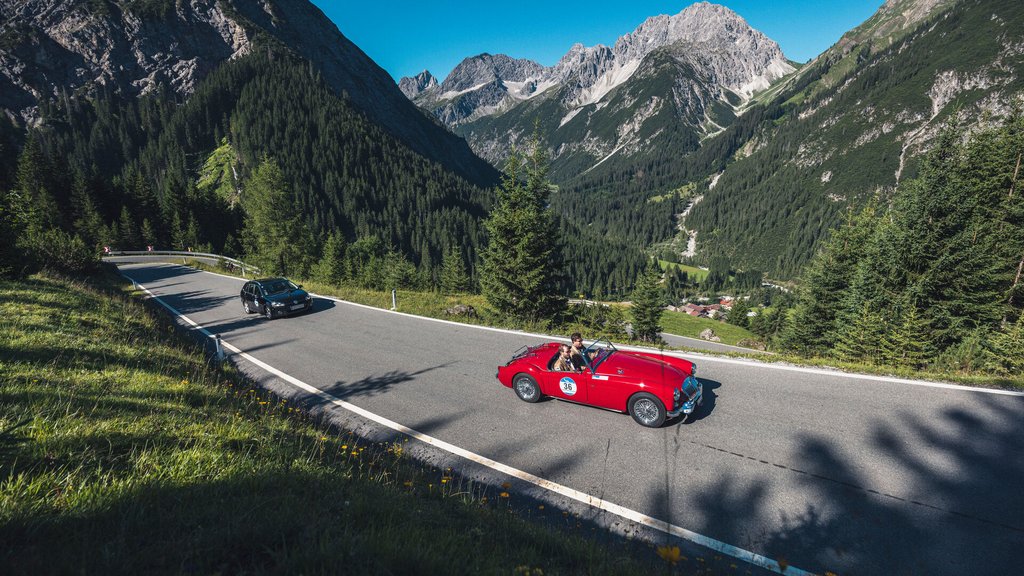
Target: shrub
(60, 252)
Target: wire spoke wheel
(647, 410)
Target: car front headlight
(676, 394)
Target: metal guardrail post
(394, 300)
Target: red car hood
(641, 368)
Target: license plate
(298, 306)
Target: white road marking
(560, 489)
(686, 355)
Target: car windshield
(279, 286)
(597, 353)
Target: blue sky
(405, 37)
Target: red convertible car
(649, 386)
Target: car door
(258, 296)
(607, 390)
(571, 386)
(247, 292)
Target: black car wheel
(647, 410)
(267, 312)
(526, 388)
(245, 305)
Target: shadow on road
(377, 384)
(954, 508)
(706, 407)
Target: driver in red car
(565, 363)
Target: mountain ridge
(51, 47)
(718, 47)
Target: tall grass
(124, 451)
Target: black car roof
(263, 280)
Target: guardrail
(231, 262)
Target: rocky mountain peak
(709, 60)
(486, 68)
(418, 84)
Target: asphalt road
(819, 470)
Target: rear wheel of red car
(647, 410)
(526, 388)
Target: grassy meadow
(682, 324)
(692, 272)
(123, 450)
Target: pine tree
(331, 267)
(811, 325)
(647, 305)
(191, 235)
(36, 203)
(88, 223)
(738, 314)
(178, 239)
(276, 237)
(859, 340)
(453, 272)
(398, 272)
(147, 233)
(11, 226)
(907, 343)
(522, 264)
(1006, 348)
(129, 239)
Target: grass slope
(123, 451)
(682, 324)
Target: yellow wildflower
(669, 554)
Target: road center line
(554, 487)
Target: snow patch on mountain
(608, 82)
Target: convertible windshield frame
(598, 351)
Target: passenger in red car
(564, 362)
(577, 350)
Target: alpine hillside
(135, 123)
(855, 122)
(56, 48)
(673, 81)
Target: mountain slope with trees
(933, 278)
(170, 168)
(855, 123)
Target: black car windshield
(597, 353)
(279, 286)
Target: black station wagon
(273, 297)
